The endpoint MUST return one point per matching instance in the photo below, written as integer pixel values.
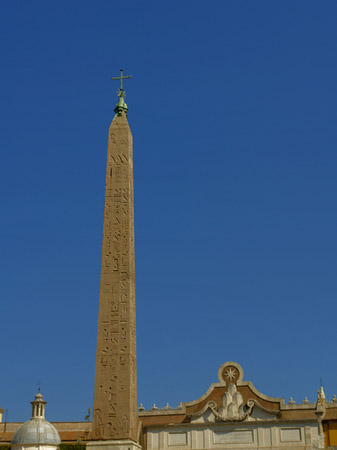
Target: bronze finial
(121, 91)
(121, 105)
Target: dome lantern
(38, 406)
(37, 433)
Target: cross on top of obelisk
(121, 91)
(121, 106)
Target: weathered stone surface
(124, 444)
(115, 404)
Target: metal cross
(121, 78)
(39, 383)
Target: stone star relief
(230, 374)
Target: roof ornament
(321, 393)
(232, 409)
(87, 417)
(38, 406)
(121, 105)
(306, 401)
(37, 432)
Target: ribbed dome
(36, 431)
(38, 396)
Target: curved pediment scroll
(232, 408)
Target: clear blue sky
(232, 107)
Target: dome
(38, 396)
(36, 431)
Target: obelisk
(115, 405)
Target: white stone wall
(242, 435)
(34, 447)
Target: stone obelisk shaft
(115, 404)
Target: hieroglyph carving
(115, 404)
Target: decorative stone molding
(230, 372)
(232, 407)
(231, 410)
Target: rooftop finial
(121, 105)
(39, 384)
(38, 405)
